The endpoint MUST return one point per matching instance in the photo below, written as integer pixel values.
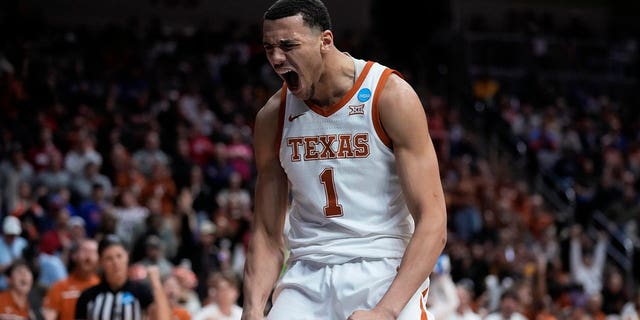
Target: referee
(118, 298)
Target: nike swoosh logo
(292, 117)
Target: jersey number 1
(333, 208)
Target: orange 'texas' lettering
(331, 146)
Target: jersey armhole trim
(283, 104)
(377, 123)
(338, 105)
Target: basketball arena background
(532, 105)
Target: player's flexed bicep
(266, 249)
(405, 122)
(272, 185)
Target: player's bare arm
(404, 120)
(266, 250)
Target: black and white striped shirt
(127, 303)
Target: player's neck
(336, 80)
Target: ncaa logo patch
(364, 94)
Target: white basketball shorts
(311, 291)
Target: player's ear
(327, 40)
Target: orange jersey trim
(377, 123)
(337, 106)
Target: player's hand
(375, 314)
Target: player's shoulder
(393, 84)
(396, 82)
(271, 109)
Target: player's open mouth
(292, 80)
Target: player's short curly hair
(314, 12)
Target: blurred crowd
(145, 131)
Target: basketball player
(348, 140)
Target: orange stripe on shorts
(423, 313)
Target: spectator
(48, 268)
(125, 172)
(159, 226)
(587, 266)
(623, 212)
(173, 290)
(14, 302)
(108, 225)
(593, 308)
(631, 309)
(205, 119)
(13, 172)
(205, 256)
(83, 151)
(92, 209)
(26, 202)
(77, 230)
(161, 186)
(57, 240)
(202, 149)
(150, 155)
(239, 155)
(182, 164)
(189, 102)
(82, 184)
(508, 309)
(235, 200)
(12, 246)
(226, 291)
(463, 200)
(614, 295)
(443, 291)
(204, 202)
(130, 217)
(188, 298)
(154, 256)
(53, 177)
(43, 153)
(61, 299)
(464, 310)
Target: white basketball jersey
(347, 199)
